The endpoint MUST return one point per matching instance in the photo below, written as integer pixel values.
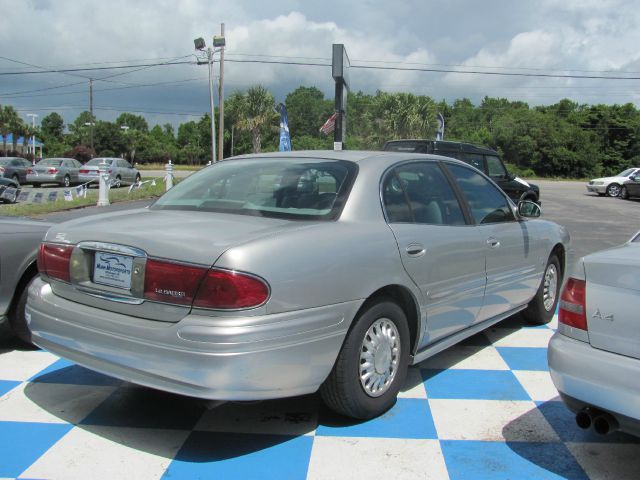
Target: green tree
(52, 127)
(254, 113)
(134, 122)
(307, 110)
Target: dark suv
(484, 159)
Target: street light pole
(213, 111)
(221, 97)
(33, 136)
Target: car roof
(446, 145)
(358, 156)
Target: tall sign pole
(340, 71)
(221, 99)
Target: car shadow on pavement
(9, 344)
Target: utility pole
(213, 111)
(91, 109)
(221, 99)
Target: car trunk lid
(613, 299)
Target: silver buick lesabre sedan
(594, 357)
(281, 274)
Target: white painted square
(17, 365)
(109, 452)
(466, 357)
(538, 385)
(413, 386)
(522, 337)
(348, 458)
(490, 420)
(51, 402)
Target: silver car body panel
(67, 168)
(127, 175)
(319, 273)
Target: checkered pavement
(483, 409)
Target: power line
(93, 69)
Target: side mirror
(527, 208)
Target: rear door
(439, 250)
(613, 299)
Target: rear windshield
(53, 162)
(407, 146)
(296, 189)
(99, 161)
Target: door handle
(493, 242)
(415, 250)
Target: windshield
(293, 188)
(53, 162)
(98, 161)
(627, 172)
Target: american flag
(329, 125)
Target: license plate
(112, 269)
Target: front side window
(495, 167)
(475, 159)
(487, 202)
(420, 193)
(299, 189)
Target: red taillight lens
(54, 259)
(172, 282)
(573, 304)
(231, 290)
(1, 169)
(84, 171)
(53, 170)
(29, 170)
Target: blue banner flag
(440, 131)
(285, 139)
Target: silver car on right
(120, 171)
(594, 357)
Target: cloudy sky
(554, 42)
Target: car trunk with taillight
(155, 264)
(613, 299)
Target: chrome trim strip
(111, 296)
(113, 248)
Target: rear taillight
(1, 169)
(203, 287)
(172, 282)
(573, 304)
(54, 259)
(226, 289)
(52, 170)
(29, 170)
(84, 171)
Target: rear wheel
(372, 365)
(541, 309)
(138, 178)
(117, 183)
(66, 181)
(613, 190)
(17, 318)
(15, 178)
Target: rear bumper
(221, 358)
(596, 378)
(45, 178)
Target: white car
(594, 357)
(611, 185)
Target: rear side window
(420, 193)
(495, 167)
(486, 201)
(475, 159)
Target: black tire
(138, 178)
(35, 185)
(17, 318)
(343, 391)
(16, 179)
(117, 182)
(538, 312)
(613, 190)
(67, 181)
(624, 194)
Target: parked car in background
(62, 171)
(484, 159)
(120, 171)
(14, 168)
(631, 188)
(611, 186)
(9, 190)
(20, 240)
(292, 272)
(594, 358)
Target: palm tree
(255, 111)
(14, 125)
(27, 132)
(4, 130)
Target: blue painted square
(7, 385)
(207, 455)
(22, 443)
(141, 407)
(473, 385)
(563, 422)
(409, 418)
(497, 460)
(525, 358)
(68, 373)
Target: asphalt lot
(483, 409)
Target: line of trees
(566, 139)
